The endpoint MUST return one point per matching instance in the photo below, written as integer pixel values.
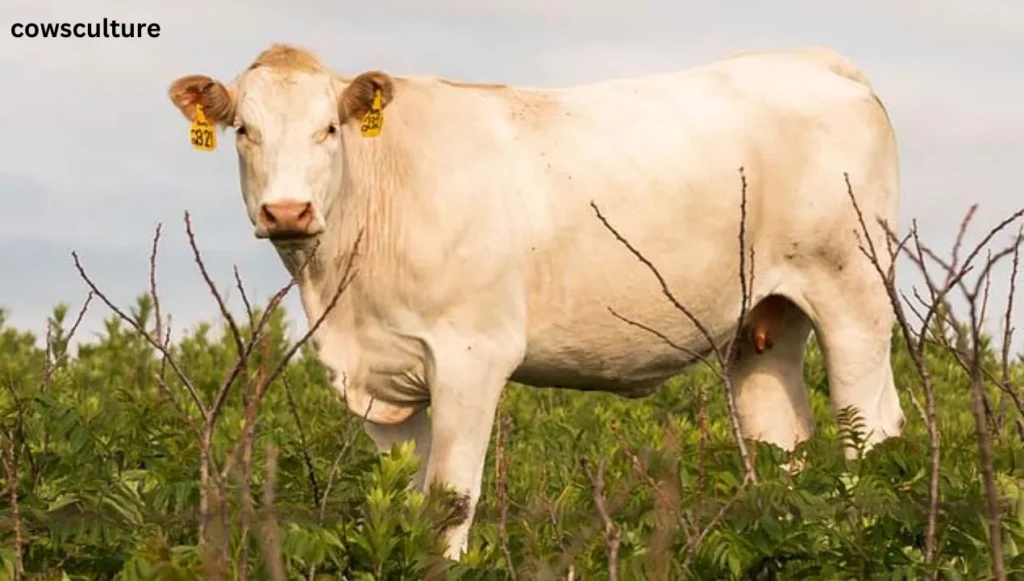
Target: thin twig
(1004, 360)
(248, 439)
(916, 350)
(271, 533)
(967, 351)
(232, 326)
(303, 443)
(158, 317)
(668, 341)
(612, 533)
(995, 532)
(346, 279)
(186, 382)
(691, 549)
(501, 484)
(244, 296)
(724, 359)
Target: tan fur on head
(357, 98)
(287, 57)
(217, 100)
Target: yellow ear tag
(373, 122)
(201, 134)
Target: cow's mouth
(292, 237)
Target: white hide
(483, 260)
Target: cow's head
(290, 114)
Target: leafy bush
(114, 469)
(107, 485)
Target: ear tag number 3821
(373, 122)
(202, 135)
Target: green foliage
(108, 477)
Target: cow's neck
(365, 211)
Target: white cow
(483, 259)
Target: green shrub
(107, 478)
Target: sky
(93, 155)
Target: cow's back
(660, 159)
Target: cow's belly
(562, 361)
(588, 347)
(596, 311)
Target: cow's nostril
(267, 216)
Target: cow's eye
(332, 129)
(240, 130)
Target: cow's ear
(217, 100)
(357, 98)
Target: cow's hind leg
(415, 428)
(767, 374)
(853, 322)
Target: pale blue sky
(92, 154)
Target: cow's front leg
(415, 428)
(464, 400)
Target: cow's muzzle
(287, 220)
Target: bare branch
(232, 326)
(159, 346)
(162, 385)
(268, 379)
(157, 316)
(1002, 225)
(51, 369)
(960, 238)
(612, 533)
(668, 341)
(245, 298)
(243, 358)
(995, 532)
(664, 285)
(501, 484)
(967, 352)
(691, 549)
(271, 533)
(745, 288)
(313, 484)
(724, 359)
(987, 280)
(248, 440)
(346, 279)
(915, 348)
(1008, 313)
